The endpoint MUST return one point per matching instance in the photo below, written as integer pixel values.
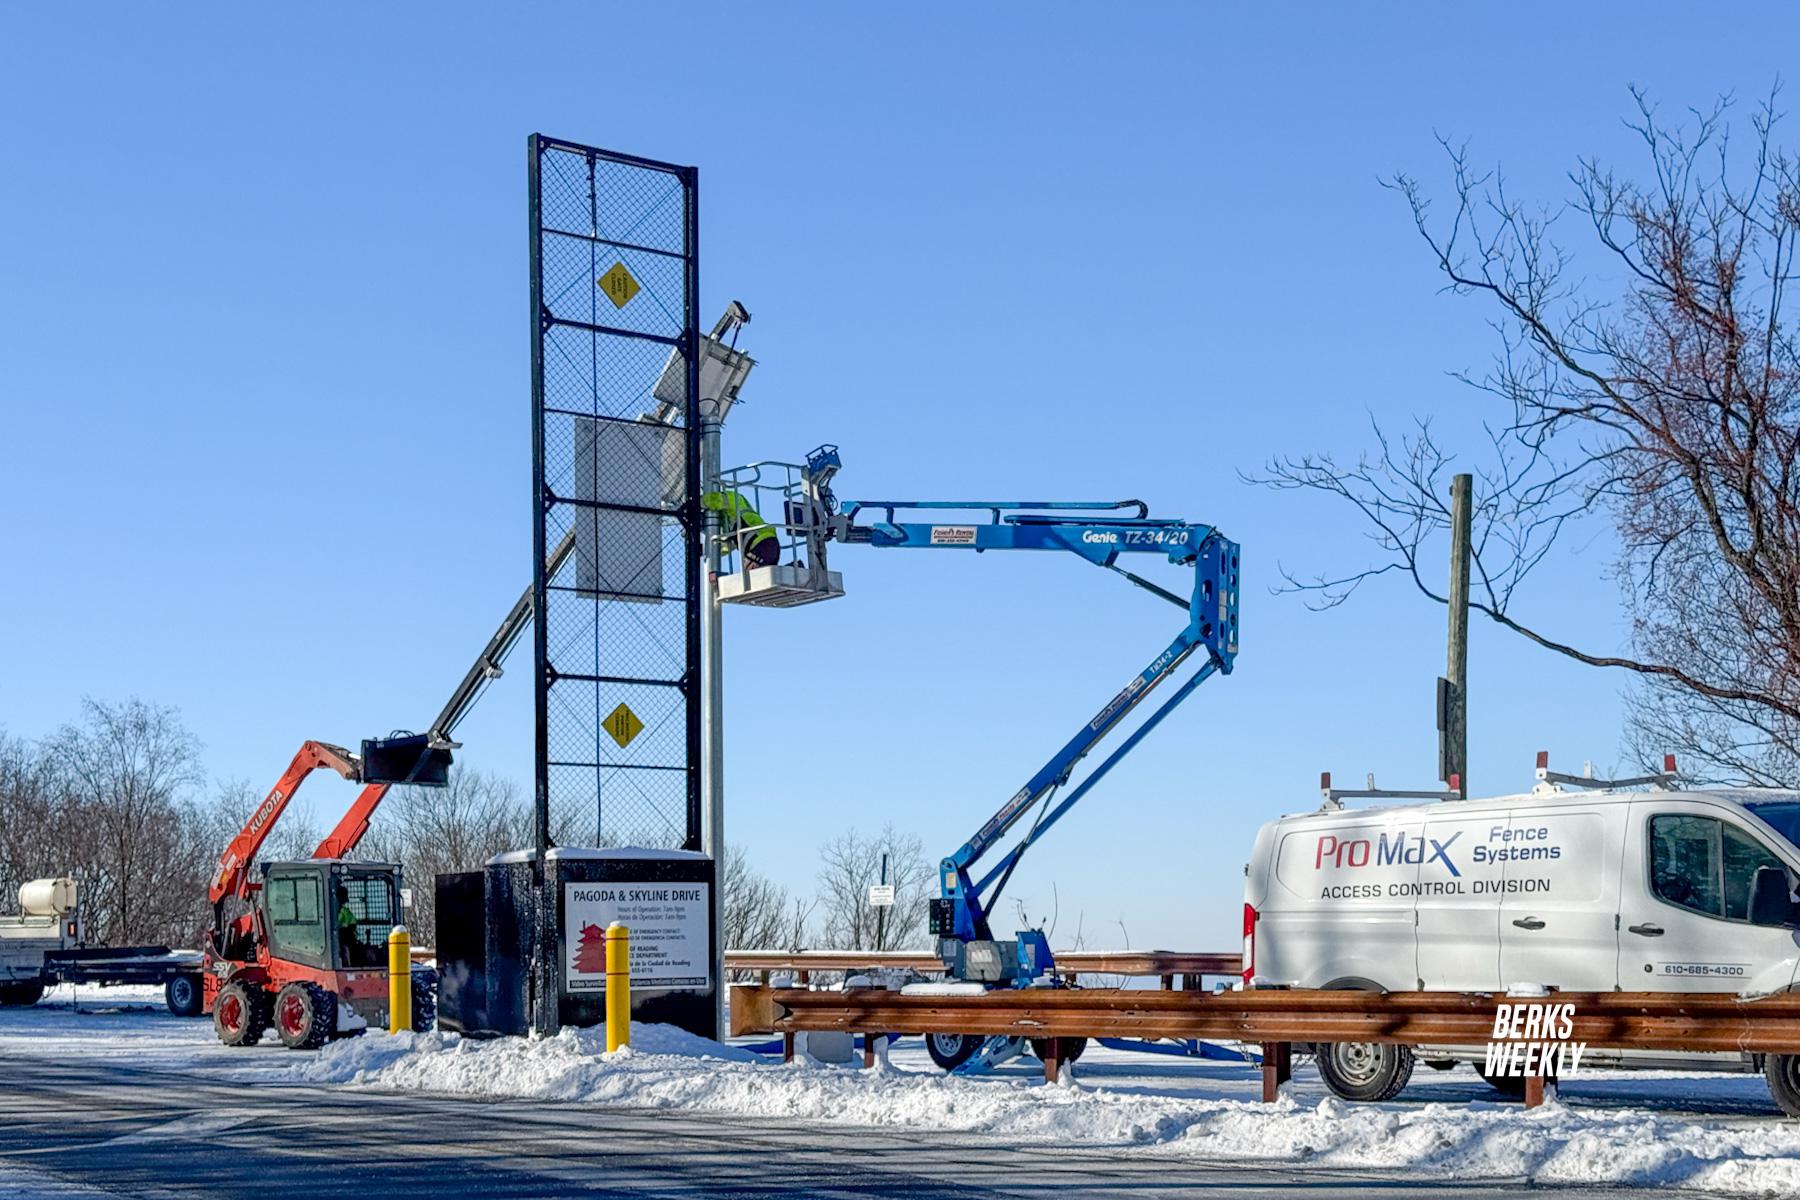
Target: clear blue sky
(264, 377)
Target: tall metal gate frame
(616, 514)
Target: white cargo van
(1580, 891)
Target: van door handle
(1646, 930)
(1529, 923)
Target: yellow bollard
(399, 981)
(618, 987)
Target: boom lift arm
(960, 917)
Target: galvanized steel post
(712, 712)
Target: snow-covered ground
(129, 1024)
(1717, 1133)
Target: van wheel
(1365, 1070)
(1783, 1073)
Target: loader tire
(305, 1016)
(1783, 1073)
(1071, 1048)
(424, 1001)
(1365, 1070)
(184, 995)
(21, 995)
(240, 1014)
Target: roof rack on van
(1333, 798)
(1549, 780)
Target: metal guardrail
(1276, 1019)
(1167, 964)
(1171, 965)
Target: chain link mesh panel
(614, 274)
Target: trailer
(45, 944)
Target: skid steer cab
(305, 952)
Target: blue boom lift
(1101, 533)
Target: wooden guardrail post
(1277, 1069)
(1534, 1089)
(1053, 1051)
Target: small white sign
(667, 924)
(953, 535)
(881, 895)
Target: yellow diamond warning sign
(618, 285)
(623, 725)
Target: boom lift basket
(802, 495)
(784, 585)
(405, 758)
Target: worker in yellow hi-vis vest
(760, 546)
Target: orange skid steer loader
(302, 945)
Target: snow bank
(666, 1068)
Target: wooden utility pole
(1453, 689)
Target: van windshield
(1782, 815)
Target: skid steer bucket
(405, 758)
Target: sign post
(882, 897)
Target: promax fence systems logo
(1533, 1039)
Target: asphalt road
(75, 1129)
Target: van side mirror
(1770, 900)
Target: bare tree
(113, 801)
(294, 837)
(1655, 393)
(759, 913)
(434, 831)
(128, 771)
(33, 817)
(215, 822)
(850, 864)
